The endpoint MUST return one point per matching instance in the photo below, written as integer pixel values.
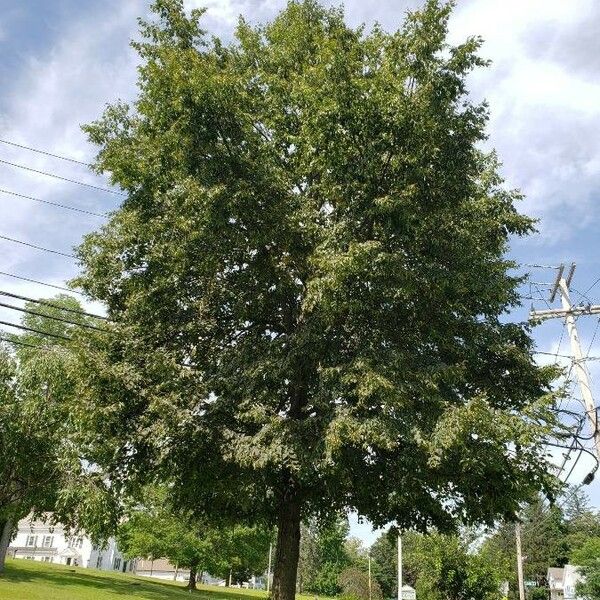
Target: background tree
(323, 555)
(444, 568)
(384, 563)
(587, 558)
(243, 552)
(550, 537)
(308, 281)
(40, 466)
(354, 585)
(154, 529)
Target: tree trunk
(5, 535)
(287, 552)
(192, 581)
(176, 571)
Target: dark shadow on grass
(65, 578)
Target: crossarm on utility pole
(579, 366)
(568, 312)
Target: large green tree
(308, 280)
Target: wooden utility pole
(519, 562)
(569, 312)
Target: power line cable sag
(21, 343)
(30, 148)
(9, 239)
(50, 285)
(52, 305)
(33, 330)
(51, 317)
(56, 204)
(47, 174)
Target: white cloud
(544, 96)
(56, 91)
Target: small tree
(354, 584)
(154, 529)
(444, 569)
(323, 555)
(40, 466)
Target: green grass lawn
(29, 580)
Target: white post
(578, 363)
(370, 586)
(399, 566)
(519, 562)
(269, 569)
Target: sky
(63, 61)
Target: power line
(39, 172)
(592, 286)
(65, 206)
(53, 318)
(33, 330)
(9, 239)
(50, 285)
(21, 343)
(24, 147)
(52, 305)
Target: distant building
(161, 569)
(555, 582)
(37, 540)
(562, 582)
(408, 593)
(570, 580)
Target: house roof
(555, 572)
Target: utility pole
(569, 312)
(399, 566)
(519, 562)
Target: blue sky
(62, 61)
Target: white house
(570, 580)
(37, 540)
(555, 579)
(562, 582)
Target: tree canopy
(308, 280)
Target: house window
(29, 558)
(48, 559)
(47, 543)
(31, 540)
(79, 542)
(117, 564)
